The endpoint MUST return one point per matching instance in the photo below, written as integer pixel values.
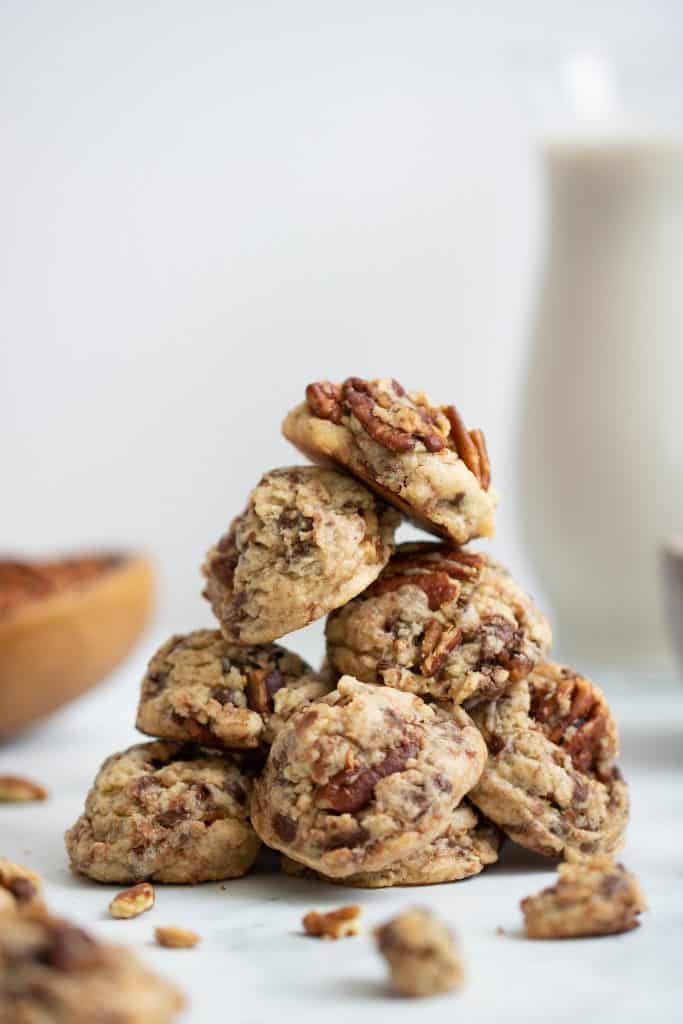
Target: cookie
(440, 622)
(165, 812)
(52, 972)
(463, 850)
(21, 891)
(551, 781)
(416, 455)
(308, 541)
(365, 777)
(200, 688)
(421, 952)
(594, 897)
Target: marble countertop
(254, 965)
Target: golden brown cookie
(165, 812)
(417, 455)
(363, 778)
(551, 781)
(200, 688)
(440, 622)
(308, 541)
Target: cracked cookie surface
(593, 897)
(365, 777)
(52, 972)
(198, 687)
(440, 622)
(165, 812)
(551, 781)
(467, 846)
(417, 455)
(309, 540)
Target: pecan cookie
(165, 812)
(199, 687)
(551, 781)
(440, 622)
(463, 850)
(308, 541)
(593, 897)
(365, 777)
(417, 455)
(52, 972)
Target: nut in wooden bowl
(64, 624)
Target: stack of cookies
(435, 725)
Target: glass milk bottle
(602, 431)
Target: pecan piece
(132, 902)
(258, 697)
(437, 644)
(572, 716)
(465, 448)
(439, 588)
(479, 442)
(335, 924)
(175, 938)
(15, 789)
(350, 791)
(361, 403)
(324, 400)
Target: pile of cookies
(435, 725)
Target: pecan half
(324, 400)
(437, 644)
(465, 447)
(15, 789)
(573, 716)
(132, 902)
(439, 588)
(479, 442)
(361, 404)
(350, 791)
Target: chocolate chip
(351, 838)
(224, 695)
(285, 827)
(274, 681)
(495, 744)
(350, 791)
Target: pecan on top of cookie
(441, 622)
(416, 454)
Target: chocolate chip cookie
(464, 849)
(593, 897)
(52, 972)
(417, 455)
(308, 541)
(198, 687)
(440, 622)
(551, 781)
(165, 812)
(363, 778)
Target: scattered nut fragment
(421, 952)
(175, 938)
(14, 789)
(336, 924)
(590, 897)
(20, 890)
(133, 902)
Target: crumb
(590, 897)
(132, 902)
(500, 930)
(175, 938)
(421, 952)
(336, 924)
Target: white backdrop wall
(206, 205)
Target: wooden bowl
(64, 624)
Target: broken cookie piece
(421, 952)
(335, 924)
(20, 891)
(590, 897)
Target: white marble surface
(253, 964)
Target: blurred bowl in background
(64, 624)
(672, 571)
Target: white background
(206, 205)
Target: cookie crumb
(590, 897)
(336, 924)
(500, 930)
(175, 938)
(132, 902)
(15, 789)
(422, 954)
(20, 890)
